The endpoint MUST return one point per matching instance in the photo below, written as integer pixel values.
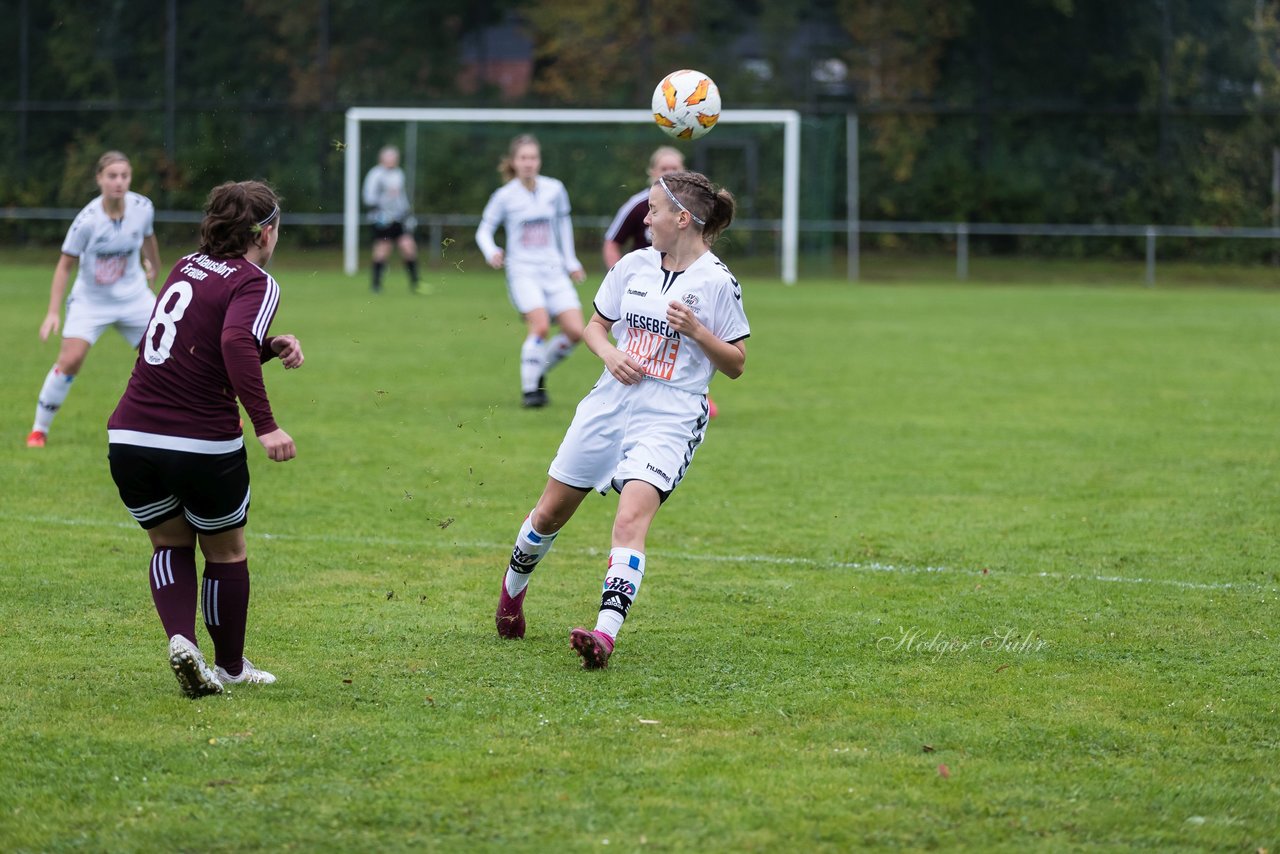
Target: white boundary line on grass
(873, 566)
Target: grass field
(981, 566)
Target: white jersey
(110, 269)
(384, 191)
(634, 297)
(539, 231)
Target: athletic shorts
(155, 484)
(390, 231)
(646, 432)
(87, 319)
(542, 288)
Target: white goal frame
(356, 116)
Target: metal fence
(961, 232)
(435, 224)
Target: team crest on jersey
(690, 300)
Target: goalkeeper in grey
(386, 194)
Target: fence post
(1275, 197)
(853, 226)
(1151, 255)
(435, 240)
(962, 250)
(409, 162)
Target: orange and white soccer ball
(686, 104)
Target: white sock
(531, 547)
(621, 584)
(557, 350)
(531, 362)
(52, 394)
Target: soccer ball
(686, 104)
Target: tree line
(1161, 111)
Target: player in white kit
(628, 225)
(111, 285)
(675, 311)
(539, 257)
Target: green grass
(1025, 533)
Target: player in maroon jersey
(176, 448)
(628, 231)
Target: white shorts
(542, 288)
(647, 432)
(88, 319)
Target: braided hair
(713, 205)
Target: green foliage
(1058, 111)
(981, 567)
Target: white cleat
(250, 675)
(194, 675)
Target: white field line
(772, 560)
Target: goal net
(456, 181)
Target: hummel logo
(637, 293)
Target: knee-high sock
(530, 548)
(52, 395)
(557, 350)
(173, 590)
(621, 585)
(531, 362)
(225, 601)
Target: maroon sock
(173, 590)
(225, 600)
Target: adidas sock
(226, 611)
(173, 590)
(531, 547)
(531, 362)
(378, 267)
(557, 350)
(52, 395)
(621, 584)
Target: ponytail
(234, 215)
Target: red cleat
(510, 616)
(36, 439)
(595, 647)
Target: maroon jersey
(203, 349)
(628, 223)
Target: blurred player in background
(676, 314)
(385, 192)
(628, 227)
(541, 264)
(112, 283)
(175, 443)
(628, 230)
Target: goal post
(357, 116)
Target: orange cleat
(36, 439)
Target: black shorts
(210, 490)
(388, 231)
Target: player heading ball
(675, 312)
